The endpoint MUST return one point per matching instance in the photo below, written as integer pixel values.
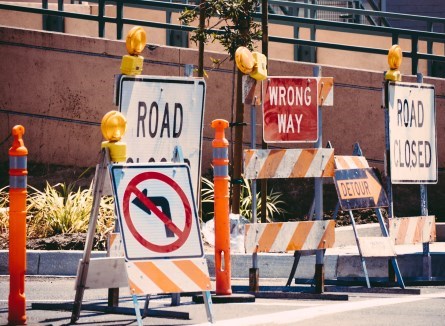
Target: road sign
(359, 188)
(290, 110)
(412, 133)
(156, 211)
(163, 112)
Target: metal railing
(297, 14)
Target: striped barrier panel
(288, 163)
(350, 162)
(115, 245)
(411, 230)
(168, 276)
(289, 236)
(325, 91)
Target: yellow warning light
(136, 40)
(252, 63)
(113, 127)
(132, 63)
(394, 61)
(259, 71)
(244, 60)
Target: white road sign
(163, 112)
(412, 133)
(156, 211)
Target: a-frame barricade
(358, 187)
(114, 272)
(290, 236)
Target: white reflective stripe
(220, 152)
(17, 162)
(220, 170)
(17, 182)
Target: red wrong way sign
(156, 211)
(290, 110)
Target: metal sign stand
(84, 264)
(427, 272)
(317, 207)
(357, 151)
(385, 235)
(99, 181)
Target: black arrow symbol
(158, 201)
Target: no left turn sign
(156, 211)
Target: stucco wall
(59, 87)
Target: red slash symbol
(150, 206)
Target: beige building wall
(61, 85)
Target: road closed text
(412, 133)
(411, 153)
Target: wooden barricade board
(345, 162)
(288, 163)
(412, 230)
(289, 236)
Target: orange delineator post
(222, 223)
(17, 227)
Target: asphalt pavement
(424, 306)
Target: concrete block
(344, 236)
(276, 265)
(62, 262)
(32, 262)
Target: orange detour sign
(359, 188)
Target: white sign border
(118, 203)
(393, 84)
(171, 80)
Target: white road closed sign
(163, 112)
(156, 211)
(412, 133)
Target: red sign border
(131, 187)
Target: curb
(64, 263)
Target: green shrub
(276, 208)
(60, 209)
